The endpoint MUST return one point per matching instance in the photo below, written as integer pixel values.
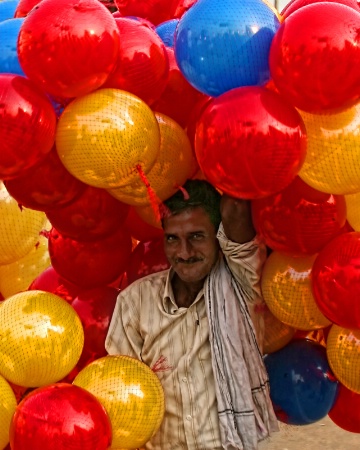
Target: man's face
(190, 244)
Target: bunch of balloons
(105, 112)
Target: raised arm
(236, 219)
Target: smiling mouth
(188, 261)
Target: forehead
(189, 220)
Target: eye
(170, 238)
(197, 237)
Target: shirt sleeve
(124, 336)
(246, 262)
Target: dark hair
(193, 194)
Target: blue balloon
(302, 386)
(221, 45)
(7, 9)
(9, 32)
(166, 31)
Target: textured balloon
(156, 11)
(131, 394)
(57, 39)
(90, 263)
(60, 415)
(91, 216)
(286, 288)
(9, 32)
(46, 186)
(106, 137)
(166, 31)
(299, 219)
(346, 410)
(142, 65)
(223, 45)
(19, 228)
(7, 9)
(17, 276)
(250, 143)
(8, 405)
(343, 352)
(147, 258)
(294, 5)
(174, 164)
(141, 230)
(27, 125)
(312, 55)
(42, 338)
(302, 386)
(353, 210)
(331, 164)
(150, 215)
(336, 280)
(179, 97)
(277, 333)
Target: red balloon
(312, 57)
(90, 264)
(141, 230)
(27, 125)
(147, 258)
(61, 416)
(250, 143)
(93, 215)
(294, 5)
(24, 7)
(156, 11)
(179, 97)
(194, 117)
(69, 47)
(182, 7)
(336, 280)
(346, 410)
(46, 186)
(50, 281)
(299, 219)
(142, 65)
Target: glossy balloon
(302, 386)
(286, 288)
(9, 32)
(150, 215)
(183, 6)
(106, 137)
(336, 280)
(90, 264)
(132, 395)
(277, 333)
(299, 219)
(24, 7)
(250, 143)
(294, 5)
(63, 415)
(19, 228)
(346, 410)
(93, 215)
(147, 258)
(312, 54)
(56, 40)
(343, 352)
(174, 164)
(142, 65)
(224, 45)
(46, 186)
(179, 97)
(8, 405)
(42, 338)
(7, 9)
(166, 31)
(333, 151)
(141, 230)
(27, 125)
(156, 11)
(353, 210)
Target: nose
(185, 250)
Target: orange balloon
(277, 333)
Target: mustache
(188, 261)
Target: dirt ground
(321, 435)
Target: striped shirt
(174, 342)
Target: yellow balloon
(353, 210)
(8, 405)
(149, 215)
(277, 333)
(104, 137)
(343, 353)
(18, 276)
(19, 228)
(332, 161)
(286, 289)
(131, 394)
(41, 338)
(174, 164)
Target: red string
(154, 201)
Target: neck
(185, 293)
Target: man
(196, 324)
